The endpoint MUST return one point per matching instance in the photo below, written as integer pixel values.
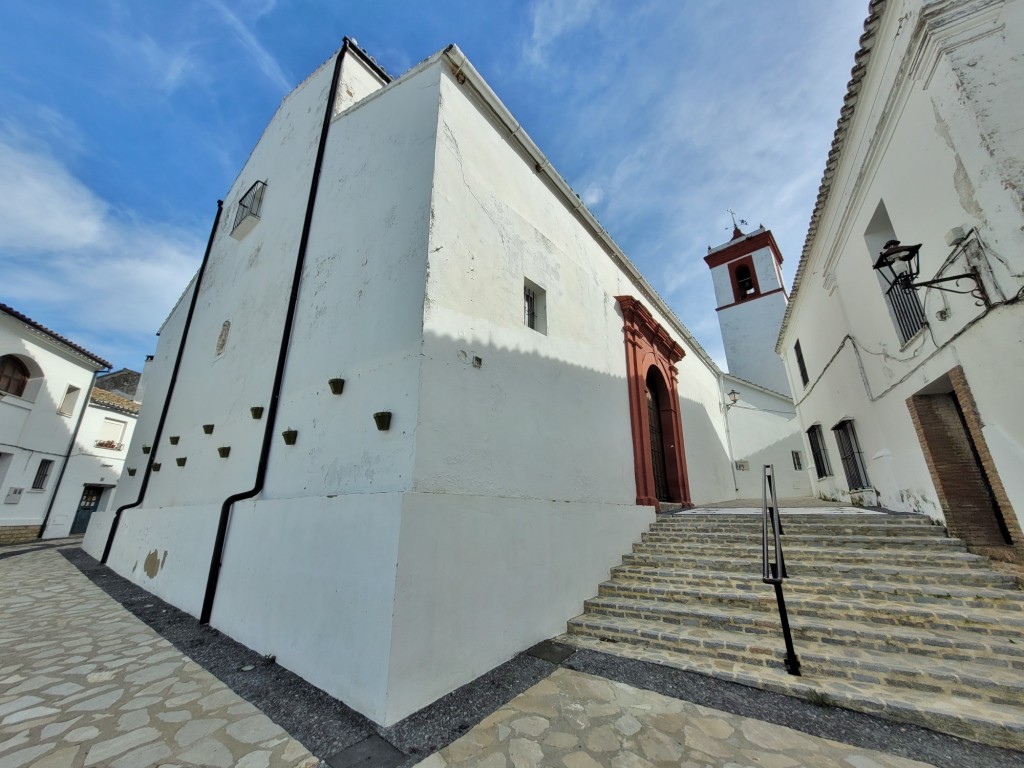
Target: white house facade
(94, 465)
(415, 402)
(910, 392)
(45, 383)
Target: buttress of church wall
(360, 315)
(508, 409)
(156, 376)
(229, 369)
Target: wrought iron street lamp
(901, 264)
(733, 397)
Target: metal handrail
(774, 572)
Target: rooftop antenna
(736, 231)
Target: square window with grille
(535, 307)
(798, 460)
(247, 214)
(42, 474)
(818, 452)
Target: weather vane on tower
(736, 231)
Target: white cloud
(550, 19)
(104, 277)
(264, 59)
(46, 208)
(592, 195)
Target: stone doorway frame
(649, 345)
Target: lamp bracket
(978, 291)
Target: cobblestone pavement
(84, 683)
(574, 720)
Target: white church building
(416, 401)
(908, 387)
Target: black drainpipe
(170, 391)
(282, 356)
(67, 457)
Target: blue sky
(123, 121)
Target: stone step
(879, 518)
(899, 670)
(995, 724)
(797, 557)
(753, 538)
(956, 645)
(804, 528)
(820, 575)
(999, 613)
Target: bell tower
(747, 274)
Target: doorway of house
(969, 502)
(88, 504)
(657, 440)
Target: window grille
(42, 474)
(819, 452)
(248, 211)
(534, 307)
(850, 454)
(800, 363)
(906, 310)
(798, 460)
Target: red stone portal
(648, 346)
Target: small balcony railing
(110, 445)
(248, 212)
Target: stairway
(889, 616)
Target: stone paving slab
(84, 683)
(575, 720)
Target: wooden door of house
(88, 504)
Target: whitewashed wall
(765, 430)
(749, 332)
(546, 415)
(939, 150)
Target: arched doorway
(656, 395)
(658, 454)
